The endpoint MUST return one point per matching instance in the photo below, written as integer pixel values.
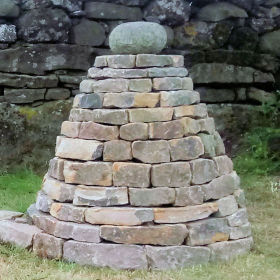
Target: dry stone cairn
(140, 179)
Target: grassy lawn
(263, 194)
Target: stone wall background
(231, 49)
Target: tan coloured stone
(224, 165)
(95, 131)
(68, 212)
(153, 235)
(156, 72)
(241, 231)
(140, 85)
(151, 151)
(134, 131)
(166, 130)
(178, 98)
(191, 126)
(178, 60)
(56, 166)
(187, 196)
(150, 114)
(227, 206)
(194, 111)
(70, 129)
(78, 148)
(186, 148)
(88, 173)
(117, 150)
(101, 61)
(117, 73)
(107, 85)
(151, 60)
(184, 214)
(100, 196)
(149, 100)
(203, 171)
(174, 175)
(136, 175)
(122, 216)
(9, 215)
(151, 196)
(207, 125)
(121, 61)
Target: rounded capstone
(138, 37)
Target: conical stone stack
(140, 179)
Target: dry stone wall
(46, 46)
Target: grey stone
(106, 255)
(172, 83)
(219, 145)
(261, 96)
(88, 101)
(121, 61)
(240, 198)
(213, 95)
(176, 257)
(240, 232)
(9, 9)
(138, 38)
(69, 5)
(9, 215)
(209, 144)
(8, 33)
(207, 125)
(238, 218)
(57, 94)
(21, 96)
(224, 165)
(117, 150)
(107, 85)
(203, 170)
(167, 72)
(193, 111)
(101, 61)
(71, 79)
(244, 38)
(140, 85)
(67, 212)
(166, 130)
(43, 202)
(227, 206)
(117, 73)
(187, 196)
(56, 166)
(178, 98)
(134, 131)
(152, 60)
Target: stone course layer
(140, 179)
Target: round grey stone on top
(138, 37)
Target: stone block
(107, 85)
(187, 196)
(168, 83)
(70, 129)
(152, 60)
(182, 256)
(186, 148)
(96, 131)
(9, 215)
(140, 85)
(238, 218)
(97, 73)
(178, 60)
(174, 175)
(153, 235)
(20, 235)
(190, 126)
(150, 114)
(224, 165)
(43, 202)
(227, 206)
(78, 148)
(100, 196)
(88, 101)
(203, 171)
(219, 147)
(57, 94)
(56, 166)
(136, 175)
(134, 131)
(242, 231)
(58, 190)
(8, 33)
(157, 72)
(166, 130)
(68, 212)
(187, 83)
(207, 125)
(117, 150)
(178, 98)
(184, 214)
(219, 187)
(106, 255)
(48, 246)
(151, 197)
(209, 144)
(207, 232)
(121, 61)
(22, 96)
(193, 111)
(122, 216)
(101, 61)
(151, 151)
(240, 198)
(88, 173)
(226, 251)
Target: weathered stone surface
(151, 197)
(95, 131)
(166, 130)
(172, 83)
(269, 42)
(219, 147)
(167, 72)
(95, 37)
(9, 215)
(106, 255)
(43, 202)
(9, 9)
(244, 38)
(191, 126)
(20, 96)
(98, 73)
(138, 38)
(151, 151)
(121, 61)
(184, 214)
(18, 234)
(215, 95)
(140, 85)
(207, 125)
(8, 33)
(153, 235)
(194, 111)
(78, 148)
(224, 165)
(100, 196)
(150, 115)
(209, 144)
(261, 96)
(182, 256)
(106, 116)
(178, 98)
(88, 101)
(48, 246)
(57, 94)
(108, 85)
(136, 175)
(88, 173)
(240, 232)
(186, 148)
(68, 212)
(119, 216)
(58, 190)
(117, 150)
(101, 61)
(203, 170)
(187, 196)
(70, 129)
(174, 175)
(227, 206)
(134, 131)
(207, 232)
(225, 251)
(240, 198)
(56, 166)
(69, 5)
(150, 60)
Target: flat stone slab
(9, 215)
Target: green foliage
(271, 110)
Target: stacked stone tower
(140, 179)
